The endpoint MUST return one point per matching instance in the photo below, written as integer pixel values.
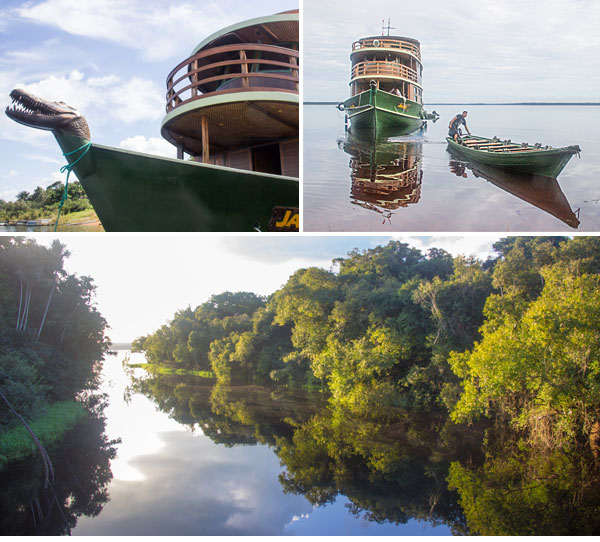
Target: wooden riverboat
(505, 154)
(385, 85)
(233, 107)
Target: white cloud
(151, 145)
(101, 97)
(149, 26)
(11, 173)
(10, 194)
(44, 158)
(38, 53)
(471, 51)
(138, 99)
(476, 245)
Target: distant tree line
(44, 202)
(514, 339)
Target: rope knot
(68, 168)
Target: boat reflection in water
(541, 191)
(385, 174)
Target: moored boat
(232, 106)
(505, 154)
(385, 85)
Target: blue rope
(68, 168)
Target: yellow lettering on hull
(289, 220)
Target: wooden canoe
(534, 159)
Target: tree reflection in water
(394, 465)
(523, 490)
(82, 468)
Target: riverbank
(86, 220)
(16, 443)
(158, 369)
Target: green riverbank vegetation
(514, 339)
(162, 370)
(52, 344)
(44, 203)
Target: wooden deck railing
(381, 68)
(387, 43)
(233, 68)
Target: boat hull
(137, 192)
(383, 113)
(547, 162)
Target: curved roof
(402, 38)
(286, 16)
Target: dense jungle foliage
(52, 338)
(514, 339)
(44, 203)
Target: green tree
(542, 372)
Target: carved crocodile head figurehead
(46, 115)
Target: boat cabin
(392, 62)
(235, 101)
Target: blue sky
(473, 51)
(108, 58)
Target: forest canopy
(513, 338)
(52, 337)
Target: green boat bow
(131, 191)
(383, 112)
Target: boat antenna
(388, 27)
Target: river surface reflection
(337, 199)
(181, 455)
(385, 175)
(170, 478)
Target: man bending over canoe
(455, 123)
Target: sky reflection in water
(169, 480)
(443, 199)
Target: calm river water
(352, 185)
(169, 478)
(180, 455)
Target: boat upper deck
(394, 44)
(387, 58)
(384, 70)
(256, 55)
(241, 84)
(233, 68)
